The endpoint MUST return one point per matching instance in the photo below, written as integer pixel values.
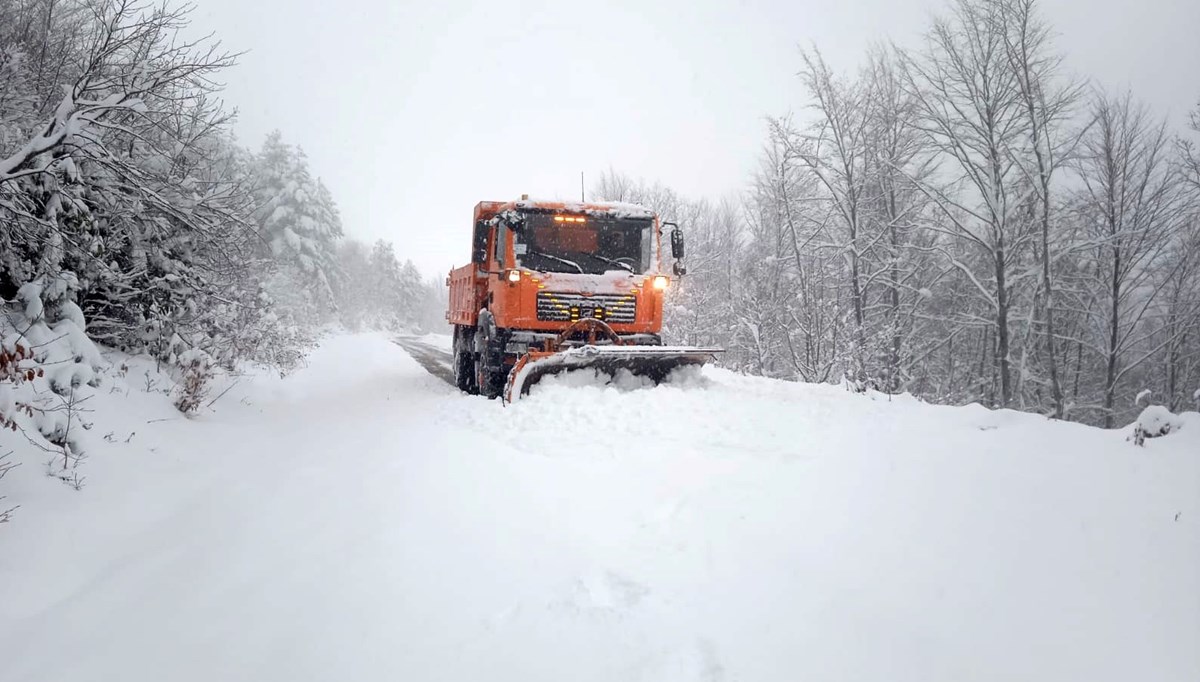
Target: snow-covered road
(361, 520)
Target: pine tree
(300, 225)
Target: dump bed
(467, 289)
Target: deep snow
(361, 520)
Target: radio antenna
(582, 195)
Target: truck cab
(539, 267)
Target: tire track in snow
(436, 361)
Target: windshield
(593, 245)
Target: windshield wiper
(609, 260)
(560, 260)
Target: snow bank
(362, 520)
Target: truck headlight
(514, 276)
(660, 282)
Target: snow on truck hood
(611, 282)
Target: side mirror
(676, 243)
(677, 249)
(479, 243)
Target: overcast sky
(412, 113)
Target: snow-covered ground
(361, 520)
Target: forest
(965, 221)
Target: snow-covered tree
(299, 222)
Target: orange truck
(554, 286)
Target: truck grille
(563, 307)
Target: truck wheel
(464, 359)
(489, 363)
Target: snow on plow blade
(655, 362)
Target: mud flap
(655, 362)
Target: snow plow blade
(654, 362)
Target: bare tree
(129, 66)
(1048, 102)
(969, 99)
(833, 148)
(1179, 331)
(1190, 152)
(895, 151)
(1130, 205)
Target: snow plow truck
(556, 286)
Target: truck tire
(489, 357)
(464, 359)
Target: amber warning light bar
(569, 219)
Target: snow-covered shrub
(1153, 422)
(5, 467)
(13, 376)
(51, 364)
(196, 374)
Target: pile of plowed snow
(362, 520)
